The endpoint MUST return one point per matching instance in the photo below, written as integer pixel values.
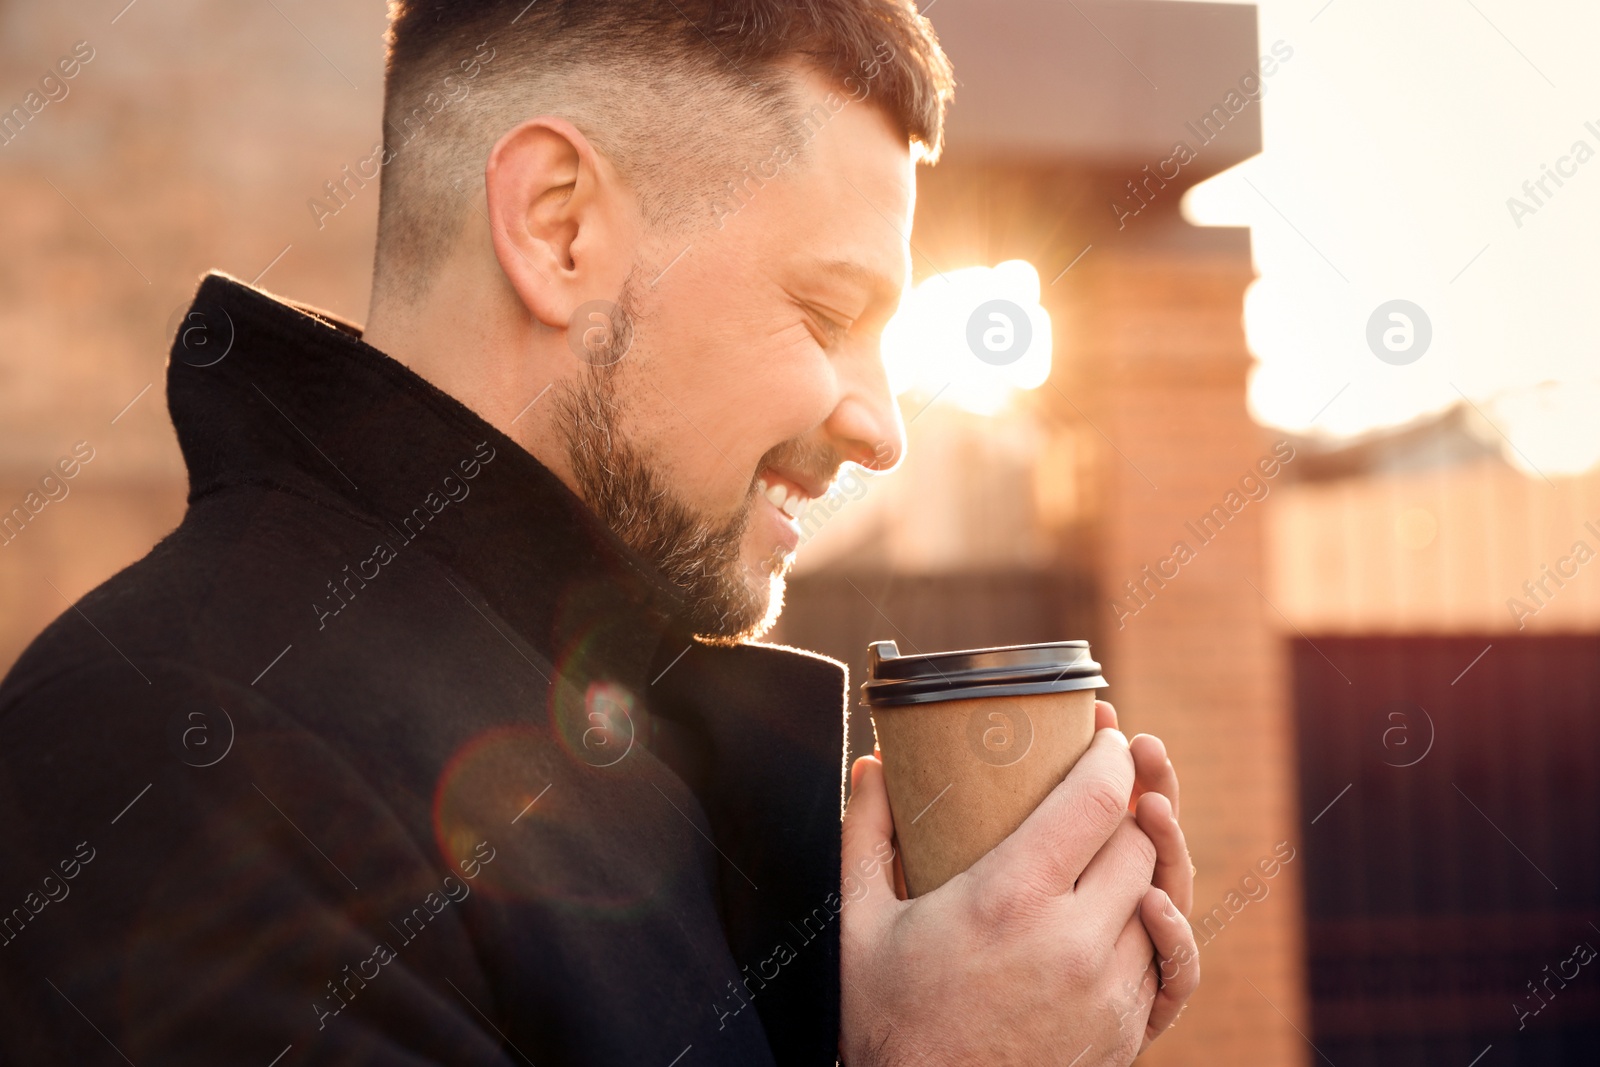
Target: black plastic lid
(1013, 670)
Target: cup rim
(958, 674)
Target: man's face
(748, 368)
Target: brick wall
(1162, 371)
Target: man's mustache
(816, 463)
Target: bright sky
(1392, 144)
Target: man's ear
(553, 213)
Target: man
(437, 732)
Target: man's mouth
(785, 495)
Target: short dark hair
(640, 79)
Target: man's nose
(865, 425)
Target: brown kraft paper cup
(972, 742)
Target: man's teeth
(784, 499)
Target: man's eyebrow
(882, 289)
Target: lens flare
(972, 337)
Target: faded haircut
(679, 96)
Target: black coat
(392, 753)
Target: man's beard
(701, 555)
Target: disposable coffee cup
(972, 742)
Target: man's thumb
(867, 872)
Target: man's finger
(867, 852)
(1105, 716)
(1133, 962)
(1058, 839)
(1177, 960)
(1153, 771)
(1174, 872)
(1117, 879)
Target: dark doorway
(1451, 815)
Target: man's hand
(1049, 948)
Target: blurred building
(1443, 629)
